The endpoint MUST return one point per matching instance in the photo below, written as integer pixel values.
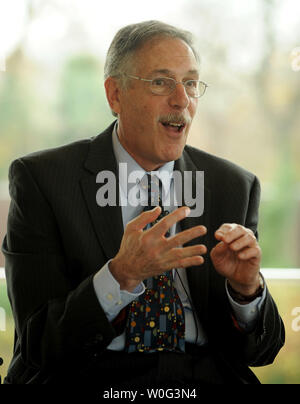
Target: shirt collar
(122, 156)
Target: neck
(146, 165)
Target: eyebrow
(170, 73)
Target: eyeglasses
(166, 85)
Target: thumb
(219, 249)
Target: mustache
(174, 118)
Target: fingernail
(187, 211)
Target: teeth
(175, 124)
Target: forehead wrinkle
(170, 73)
(166, 56)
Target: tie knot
(154, 187)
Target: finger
(186, 236)
(250, 253)
(220, 248)
(226, 230)
(181, 257)
(186, 252)
(230, 232)
(190, 262)
(141, 221)
(247, 240)
(161, 228)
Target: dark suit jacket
(58, 238)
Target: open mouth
(173, 126)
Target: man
(84, 277)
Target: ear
(112, 89)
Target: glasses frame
(175, 83)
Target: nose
(178, 98)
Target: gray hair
(131, 38)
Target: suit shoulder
(68, 156)
(51, 167)
(65, 153)
(218, 166)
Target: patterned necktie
(156, 319)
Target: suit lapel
(107, 220)
(198, 277)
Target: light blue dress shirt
(109, 294)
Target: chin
(171, 155)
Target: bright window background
(51, 92)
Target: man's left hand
(237, 257)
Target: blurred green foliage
(81, 105)
(6, 335)
(279, 222)
(39, 111)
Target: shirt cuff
(109, 295)
(247, 314)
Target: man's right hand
(146, 253)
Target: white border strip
(281, 273)
(268, 273)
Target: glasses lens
(195, 88)
(162, 85)
(165, 86)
